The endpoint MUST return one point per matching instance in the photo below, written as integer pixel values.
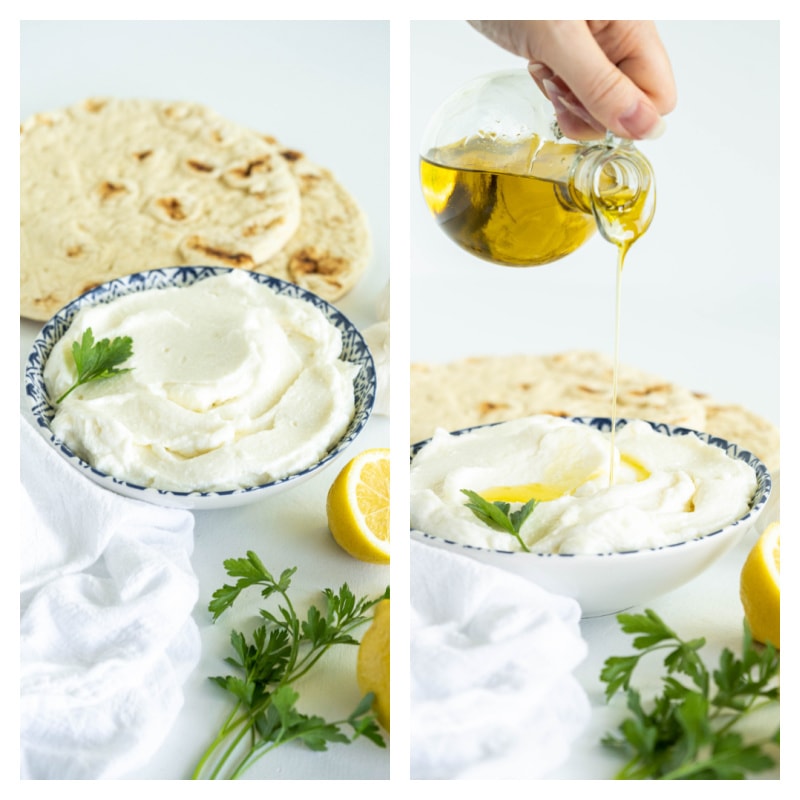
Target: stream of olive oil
(509, 204)
(623, 224)
(621, 251)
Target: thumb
(599, 86)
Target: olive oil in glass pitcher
(505, 184)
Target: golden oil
(535, 201)
(623, 215)
(487, 200)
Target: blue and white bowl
(610, 582)
(354, 349)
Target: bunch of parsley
(281, 651)
(692, 730)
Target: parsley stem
(628, 773)
(260, 750)
(687, 770)
(230, 750)
(67, 393)
(224, 732)
(281, 651)
(750, 708)
(97, 360)
(257, 752)
(689, 731)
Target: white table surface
(700, 290)
(321, 88)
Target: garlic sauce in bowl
(679, 500)
(238, 382)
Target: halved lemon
(358, 506)
(372, 667)
(760, 587)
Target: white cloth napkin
(492, 690)
(107, 640)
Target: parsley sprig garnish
(281, 650)
(690, 730)
(496, 515)
(96, 360)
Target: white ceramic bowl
(611, 582)
(354, 349)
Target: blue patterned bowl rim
(604, 424)
(354, 350)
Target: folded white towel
(492, 694)
(107, 640)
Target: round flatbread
(497, 388)
(115, 186)
(332, 245)
(740, 425)
(488, 389)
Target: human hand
(599, 74)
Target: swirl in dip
(232, 385)
(666, 489)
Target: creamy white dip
(232, 385)
(666, 489)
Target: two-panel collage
(563, 464)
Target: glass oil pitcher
(505, 184)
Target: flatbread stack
(115, 186)
(330, 247)
(482, 390)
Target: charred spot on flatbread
(108, 190)
(89, 286)
(94, 105)
(216, 253)
(255, 228)
(645, 391)
(172, 207)
(309, 261)
(199, 166)
(487, 407)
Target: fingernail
(539, 70)
(642, 121)
(551, 90)
(657, 130)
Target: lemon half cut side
(358, 506)
(760, 587)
